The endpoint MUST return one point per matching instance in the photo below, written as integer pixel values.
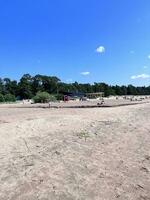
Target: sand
(75, 154)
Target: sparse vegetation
(84, 135)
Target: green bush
(9, 98)
(43, 97)
(59, 97)
(2, 98)
(52, 98)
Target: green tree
(9, 98)
(1, 85)
(2, 98)
(131, 90)
(25, 87)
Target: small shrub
(52, 98)
(43, 97)
(9, 98)
(84, 135)
(59, 97)
(2, 98)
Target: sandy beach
(75, 154)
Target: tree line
(28, 86)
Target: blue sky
(76, 40)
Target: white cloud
(140, 76)
(145, 67)
(85, 73)
(148, 56)
(100, 49)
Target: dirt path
(75, 154)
